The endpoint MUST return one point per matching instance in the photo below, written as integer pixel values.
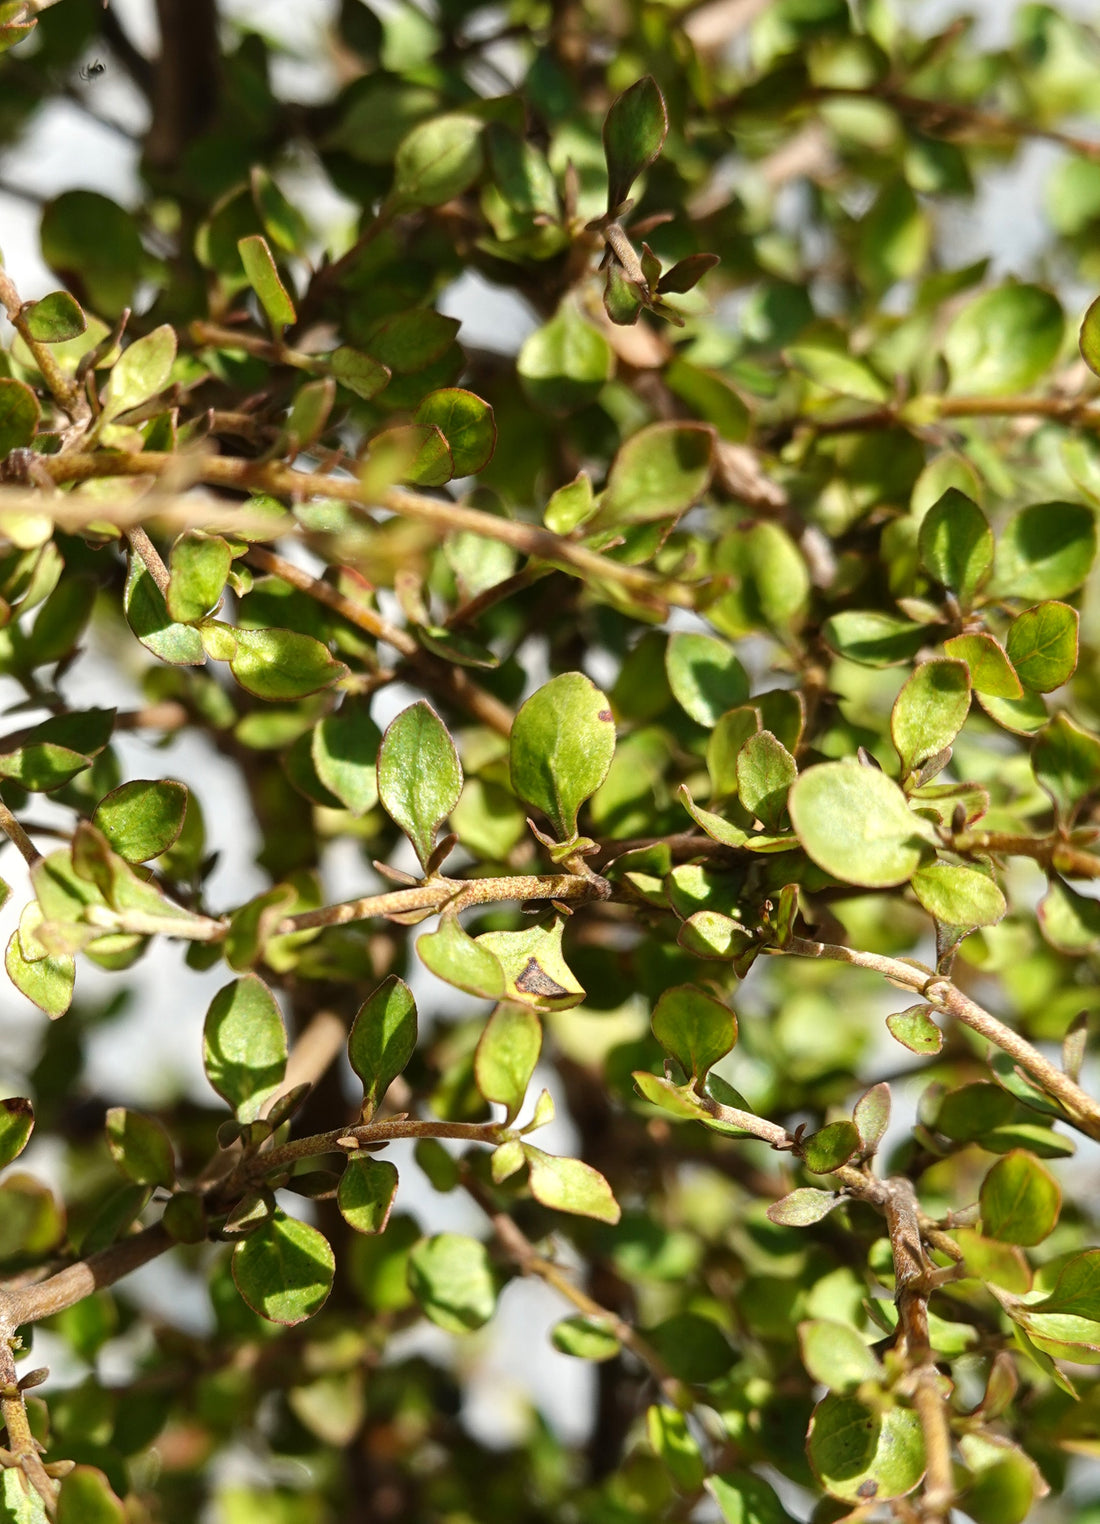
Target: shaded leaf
(284, 1270)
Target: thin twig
(453, 682)
(442, 513)
(945, 996)
(148, 554)
(17, 836)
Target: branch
(29, 1304)
(941, 993)
(454, 682)
(17, 836)
(915, 1277)
(523, 1254)
(146, 552)
(443, 514)
(453, 894)
(65, 392)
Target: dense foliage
(699, 698)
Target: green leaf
(42, 766)
(244, 1045)
(263, 277)
(694, 1028)
(438, 159)
(1069, 921)
(621, 298)
(1089, 340)
(344, 748)
(535, 971)
(46, 979)
(633, 133)
(1077, 1289)
(709, 934)
(855, 823)
(416, 453)
(85, 1497)
(968, 1113)
(282, 664)
(142, 819)
(20, 1503)
(570, 1185)
(929, 712)
(507, 1053)
(658, 473)
(284, 1270)
(991, 672)
(708, 394)
(360, 373)
(1045, 551)
(693, 1347)
(565, 363)
(729, 735)
(451, 1277)
(836, 1356)
(140, 1147)
(55, 319)
(365, 1193)
(19, 415)
(282, 220)
(466, 423)
(873, 639)
(16, 1126)
(1020, 1200)
(958, 895)
(871, 1115)
(199, 566)
(584, 1339)
(672, 1441)
(561, 747)
(141, 371)
(835, 370)
(915, 1030)
(1042, 646)
(1023, 716)
(147, 615)
(419, 775)
(93, 243)
(765, 772)
(825, 1151)
(383, 1038)
(777, 579)
(456, 957)
(705, 676)
(956, 545)
(853, 1447)
(1066, 761)
(745, 1498)
(1001, 1264)
(1004, 340)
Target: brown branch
(17, 836)
(945, 996)
(454, 894)
(148, 554)
(527, 1259)
(915, 1277)
(29, 1304)
(65, 392)
(441, 513)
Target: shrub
(683, 721)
